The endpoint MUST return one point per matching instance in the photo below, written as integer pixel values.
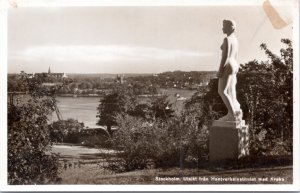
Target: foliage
(160, 107)
(97, 140)
(15, 84)
(175, 79)
(67, 131)
(72, 131)
(134, 141)
(143, 111)
(206, 104)
(143, 87)
(161, 143)
(28, 144)
(265, 93)
(178, 140)
(101, 84)
(269, 104)
(121, 100)
(97, 137)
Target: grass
(81, 165)
(94, 174)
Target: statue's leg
(223, 87)
(236, 105)
(232, 93)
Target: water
(177, 97)
(84, 109)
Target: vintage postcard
(130, 95)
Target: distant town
(95, 85)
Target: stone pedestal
(228, 141)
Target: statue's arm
(224, 57)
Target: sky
(139, 39)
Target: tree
(143, 110)
(135, 142)
(267, 89)
(160, 107)
(15, 84)
(30, 160)
(206, 104)
(163, 143)
(66, 131)
(265, 93)
(121, 100)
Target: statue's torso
(232, 53)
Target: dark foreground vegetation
(150, 135)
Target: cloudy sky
(133, 39)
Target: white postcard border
(13, 4)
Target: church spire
(49, 71)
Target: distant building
(23, 74)
(50, 79)
(50, 75)
(120, 79)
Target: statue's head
(228, 26)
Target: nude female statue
(227, 73)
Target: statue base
(228, 141)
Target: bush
(134, 142)
(95, 138)
(123, 100)
(266, 89)
(160, 144)
(68, 131)
(178, 141)
(29, 143)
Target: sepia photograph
(172, 94)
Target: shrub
(95, 138)
(179, 140)
(160, 144)
(68, 131)
(123, 100)
(29, 143)
(266, 89)
(134, 142)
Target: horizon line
(119, 72)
